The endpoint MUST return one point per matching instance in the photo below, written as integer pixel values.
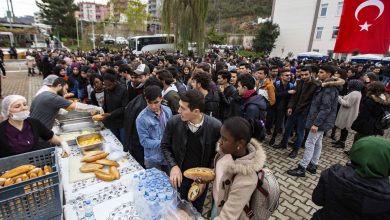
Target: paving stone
(293, 190)
(292, 215)
(290, 206)
(302, 206)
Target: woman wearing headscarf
(349, 110)
(20, 133)
(360, 190)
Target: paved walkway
(295, 202)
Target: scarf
(371, 156)
(248, 94)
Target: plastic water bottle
(88, 209)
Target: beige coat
(349, 110)
(238, 182)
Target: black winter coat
(174, 141)
(344, 195)
(229, 103)
(115, 102)
(301, 100)
(131, 142)
(212, 104)
(323, 108)
(370, 111)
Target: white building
(38, 22)
(154, 8)
(307, 25)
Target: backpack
(265, 198)
(383, 122)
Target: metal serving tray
(89, 136)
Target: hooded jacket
(323, 108)
(345, 195)
(236, 181)
(371, 110)
(254, 107)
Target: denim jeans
(299, 120)
(313, 147)
(183, 190)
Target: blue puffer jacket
(323, 108)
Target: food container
(90, 141)
(37, 198)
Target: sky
(28, 7)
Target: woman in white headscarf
(20, 133)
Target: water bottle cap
(88, 202)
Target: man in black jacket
(228, 95)
(115, 101)
(138, 78)
(201, 82)
(297, 110)
(132, 110)
(190, 141)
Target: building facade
(90, 11)
(154, 9)
(307, 25)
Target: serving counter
(110, 200)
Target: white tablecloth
(110, 195)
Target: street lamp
(77, 15)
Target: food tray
(37, 198)
(89, 136)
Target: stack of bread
(23, 173)
(95, 161)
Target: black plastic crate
(37, 198)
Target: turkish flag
(364, 26)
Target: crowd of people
(175, 112)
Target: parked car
(121, 40)
(109, 40)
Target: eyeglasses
(287, 75)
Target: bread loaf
(47, 169)
(33, 175)
(90, 159)
(104, 176)
(114, 171)
(2, 181)
(8, 182)
(92, 153)
(98, 117)
(202, 173)
(22, 176)
(90, 167)
(194, 192)
(35, 170)
(17, 171)
(108, 162)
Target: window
(319, 32)
(323, 10)
(339, 8)
(335, 32)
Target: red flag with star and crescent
(364, 26)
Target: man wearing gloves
(20, 133)
(46, 105)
